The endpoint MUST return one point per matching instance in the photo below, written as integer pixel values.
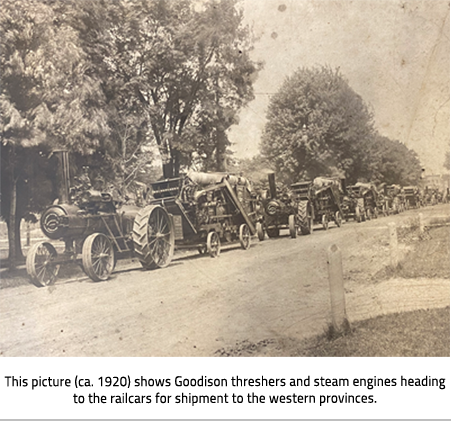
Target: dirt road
(198, 305)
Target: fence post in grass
(393, 244)
(337, 292)
(421, 218)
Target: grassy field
(421, 333)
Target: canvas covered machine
(367, 196)
(95, 229)
(200, 211)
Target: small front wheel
(245, 236)
(98, 257)
(325, 222)
(213, 244)
(338, 218)
(41, 264)
(260, 231)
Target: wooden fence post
(421, 218)
(393, 244)
(337, 293)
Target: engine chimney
(272, 186)
(62, 175)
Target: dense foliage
(318, 125)
(119, 84)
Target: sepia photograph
(225, 178)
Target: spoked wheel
(358, 216)
(368, 214)
(292, 226)
(213, 244)
(97, 256)
(245, 236)
(361, 207)
(41, 264)
(338, 218)
(153, 237)
(260, 231)
(325, 221)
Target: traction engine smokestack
(63, 176)
(272, 186)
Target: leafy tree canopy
(316, 125)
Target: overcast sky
(394, 53)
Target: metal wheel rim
(260, 231)
(40, 264)
(213, 244)
(159, 237)
(245, 236)
(101, 257)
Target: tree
(392, 162)
(185, 72)
(47, 100)
(317, 125)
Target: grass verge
(423, 333)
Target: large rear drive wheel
(153, 237)
(98, 257)
(292, 226)
(41, 264)
(305, 217)
(245, 236)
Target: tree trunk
(12, 223)
(19, 252)
(221, 147)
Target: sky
(394, 53)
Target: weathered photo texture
(224, 178)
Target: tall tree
(47, 100)
(185, 71)
(317, 125)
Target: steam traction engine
(412, 196)
(279, 212)
(97, 229)
(94, 224)
(318, 202)
(199, 210)
(366, 195)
